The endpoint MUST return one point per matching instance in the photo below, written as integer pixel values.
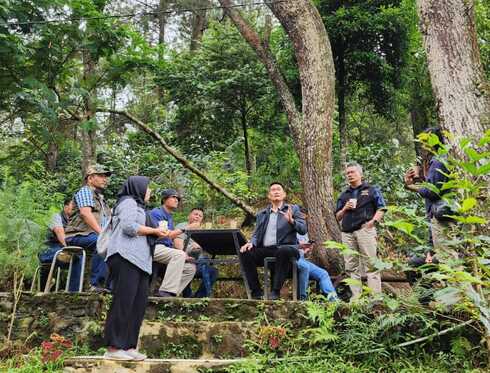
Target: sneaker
(274, 295)
(99, 290)
(118, 355)
(257, 295)
(137, 356)
(165, 294)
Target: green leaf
(464, 142)
(392, 304)
(380, 265)
(448, 296)
(336, 245)
(470, 168)
(472, 219)
(468, 204)
(484, 170)
(475, 220)
(351, 281)
(403, 226)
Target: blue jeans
(308, 270)
(208, 275)
(47, 257)
(98, 270)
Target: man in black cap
(180, 269)
(91, 214)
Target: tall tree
(457, 77)
(198, 26)
(89, 127)
(369, 40)
(311, 126)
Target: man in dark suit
(274, 236)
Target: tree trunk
(162, 20)
(198, 27)
(341, 104)
(162, 23)
(248, 159)
(88, 134)
(52, 155)
(312, 127)
(458, 82)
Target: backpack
(105, 237)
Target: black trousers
(130, 287)
(255, 258)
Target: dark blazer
(286, 233)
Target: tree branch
(421, 339)
(182, 160)
(264, 54)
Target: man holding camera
(359, 208)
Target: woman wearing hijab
(129, 258)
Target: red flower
(273, 342)
(46, 346)
(67, 343)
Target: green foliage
(369, 42)
(482, 16)
(31, 363)
(24, 213)
(364, 338)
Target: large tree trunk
(88, 133)
(312, 127)
(448, 28)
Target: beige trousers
(364, 242)
(179, 273)
(440, 235)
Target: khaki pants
(440, 234)
(179, 273)
(364, 242)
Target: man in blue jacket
(274, 236)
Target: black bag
(441, 210)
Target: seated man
(55, 240)
(307, 271)
(180, 267)
(91, 214)
(207, 272)
(274, 236)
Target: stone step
(218, 309)
(196, 339)
(212, 327)
(97, 364)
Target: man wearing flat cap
(90, 215)
(180, 270)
